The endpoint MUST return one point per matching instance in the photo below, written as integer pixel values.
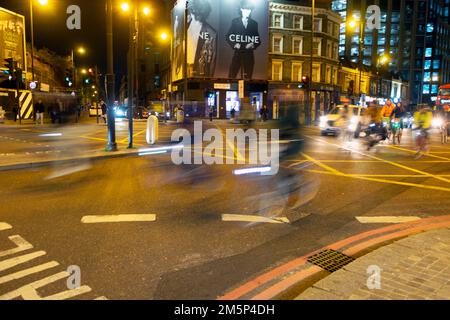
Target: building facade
(290, 30)
(414, 35)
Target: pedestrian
(40, 109)
(15, 112)
(232, 113)
(103, 106)
(210, 114)
(265, 113)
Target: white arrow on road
(387, 219)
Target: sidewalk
(414, 268)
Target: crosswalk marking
(29, 271)
(250, 218)
(9, 263)
(21, 244)
(119, 218)
(387, 219)
(4, 226)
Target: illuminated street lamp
(133, 83)
(42, 3)
(125, 6)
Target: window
(296, 72)
(426, 89)
(328, 75)
(316, 73)
(317, 47)
(428, 52)
(277, 70)
(427, 65)
(335, 51)
(330, 28)
(318, 25)
(277, 44)
(434, 89)
(298, 23)
(427, 76)
(277, 20)
(435, 76)
(329, 52)
(436, 64)
(336, 30)
(297, 45)
(430, 27)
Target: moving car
(333, 122)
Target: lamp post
(166, 37)
(133, 82)
(310, 106)
(42, 3)
(109, 82)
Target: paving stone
(414, 268)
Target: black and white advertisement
(226, 39)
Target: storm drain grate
(330, 260)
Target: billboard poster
(12, 37)
(226, 39)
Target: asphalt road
(189, 251)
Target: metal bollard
(152, 129)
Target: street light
(133, 84)
(125, 6)
(42, 3)
(146, 11)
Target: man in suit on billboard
(244, 38)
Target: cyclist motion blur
(375, 131)
(422, 123)
(445, 125)
(386, 113)
(397, 123)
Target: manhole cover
(330, 260)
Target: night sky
(51, 31)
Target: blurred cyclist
(397, 122)
(422, 122)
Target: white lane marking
(27, 272)
(4, 226)
(21, 244)
(69, 293)
(9, 263)
(120, 218)
(387, 219)
(250, 218)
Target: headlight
(354, 120)
(323, 121)
(436, 122)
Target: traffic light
(10, 65)
(305, 83)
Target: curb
(289, 279)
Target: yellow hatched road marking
(429, 154)
(386, 161)
(331, 171)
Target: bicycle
(396, 130)
(422, 142)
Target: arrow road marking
(249, 218)
(387, 219)
(119, 218)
